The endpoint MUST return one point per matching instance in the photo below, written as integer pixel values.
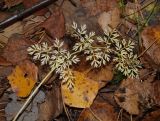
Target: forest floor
(80, 60)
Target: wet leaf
(98, 112)
(83, 93)
(23, 78)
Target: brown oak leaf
(55, 24)
(98, 112)
(16, 49)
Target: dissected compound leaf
(98, 112)
(83, 93)
(10, 3)
(149, 36)
(55, 24)
(23, 78)
(127, 97)
(16, 49)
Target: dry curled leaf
(16, 49)
(55, 24)
(98, 112)
(83, 93)
(151, 35)
(127, 97)
(23, 78)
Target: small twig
(25, 13)
(32, 95)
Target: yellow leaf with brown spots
(23, 78)
(83, 93)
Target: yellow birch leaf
(83, 93)
(23, 78)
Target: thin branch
(25, 13)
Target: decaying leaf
(23, 78)
(127, 97)
(98, 6)
(55, 24)
(52, 107)
(3, 101)
(83, 93)
(3, 86)
(151, 35)
(153, 116)
(110, 18)
(12, 29)
(4, 62)
(31, 113)
(10, 3)
(98, 112)
(31, 24)
(156, 92)
(16, 49)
